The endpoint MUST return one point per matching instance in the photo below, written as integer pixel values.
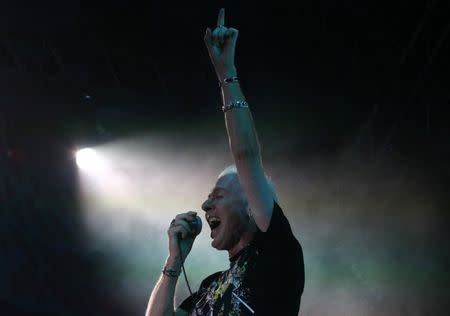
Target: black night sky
(341, 87)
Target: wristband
(234, 105)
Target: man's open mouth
(213, 222)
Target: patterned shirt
(264, 278)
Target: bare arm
(161, 302)
(161, 299)
(243, 139)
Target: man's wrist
(173, 262)
(172, 267)
(227, 73)
(171, 273)
(228, 81)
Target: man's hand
(180, 236)
(221, 45)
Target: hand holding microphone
(182, 232)
(195, 226)
(186, 225)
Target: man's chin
(215, 244)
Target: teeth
(213, 222)
(213, 219)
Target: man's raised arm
(243, 139)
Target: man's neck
(242, 243)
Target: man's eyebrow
(217, 189)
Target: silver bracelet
(234, 105)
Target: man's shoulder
(279, 225)
(279, 242)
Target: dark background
(368, 76)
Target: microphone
(196, 226)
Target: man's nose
(207, 205)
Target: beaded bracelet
(234, 105)
(170, 272)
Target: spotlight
(87, 159)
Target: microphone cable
(182, 266)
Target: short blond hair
(231, 169)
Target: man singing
(266, 273)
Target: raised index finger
(221, 17)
